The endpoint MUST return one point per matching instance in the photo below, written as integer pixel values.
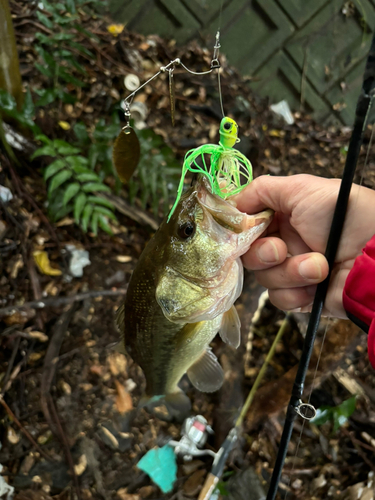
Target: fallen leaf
(19, 317)
(117, 363)
(42, 261)
(277, 133)
(123, 495)
(193, 484)
(66, 221)
(115, 29)
(80, 468)
(96, 370)
(36, 356)
(17, 264)
(44, 438)
(64, 125)
(124, 401)
(123, 258)
(146, 491)
(13, 437)
(42, 337)
(110, 436)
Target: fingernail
(310, 269)
(268, 253)
(296, 310)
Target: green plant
(98, 143)
(157, 175)
(25, 116)
(58, 50)
(336, 414)
(73, 186)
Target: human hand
(290, 260)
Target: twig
(46, 400)
(358, 443)
(109, 58)
(23, 193)
(37, 291)
(61, 301)
(34, 23)
(23, 430)
(135, 214)
(10, 365)
(66, 447)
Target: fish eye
(227, 126)
(186, 230)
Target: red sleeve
(359, 295)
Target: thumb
(279, 193)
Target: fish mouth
(225, 213)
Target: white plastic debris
(131, 82)
(6, 491)
(5, 194)
(282, 109)
(16, 140)
(78, 260)
(139, 112)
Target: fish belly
(174, 355)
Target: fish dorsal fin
(120, 318)
(230, 329)
(206, 374)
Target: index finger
(279, 193)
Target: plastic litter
(6, 491)
(5, 194)
(282, 109)
(160, 464)
(131, 82)
(78, 260)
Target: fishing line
(220, 94)
(295, 403)
(346, 244)
(217, 47)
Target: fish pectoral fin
(119, 347)
(206, 374)
(230, 329)
(178, 297)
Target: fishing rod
(295, 406)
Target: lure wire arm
(215, 64)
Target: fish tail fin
(178, 401)
(148, 400)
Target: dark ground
(68, 400)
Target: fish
(182, 293)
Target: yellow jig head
(228, 132)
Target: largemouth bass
(182, 291)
